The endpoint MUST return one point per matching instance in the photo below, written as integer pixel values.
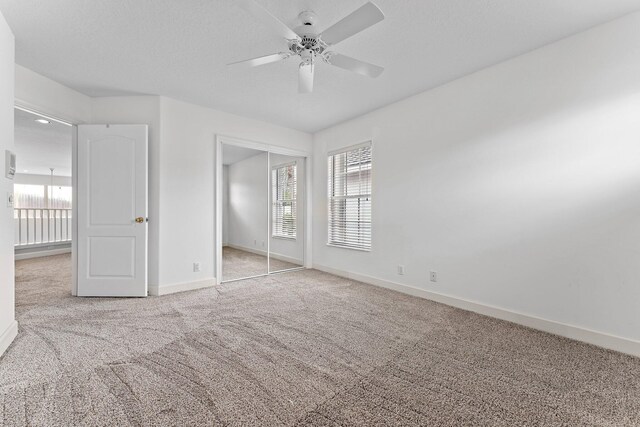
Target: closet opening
(262, 209)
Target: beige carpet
(304, 348)
(238, 264)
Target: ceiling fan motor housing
(309, 45)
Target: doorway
(43, 198)
(43, 189)
(262, 214)
(103, 242)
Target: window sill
(284, 238)
(348, 247)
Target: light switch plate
(9, 200)
(9, 164)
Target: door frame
(74, 122)
(218, 177)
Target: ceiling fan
(309, 44)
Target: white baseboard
(155, 290)
(273, 255)
(286, 258)
(8, 336)
(600, 339)
(39, 254)
(247, 249)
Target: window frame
(330, 190)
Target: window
(29, 196)
(59, 197)
(284, 193)
(42, 196)
(350, 197)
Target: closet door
(245, 210)
(286, 212)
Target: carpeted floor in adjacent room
(303, 348)
(239, 264)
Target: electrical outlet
(401, 270)
(196, 267)
(433, 276)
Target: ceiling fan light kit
(308, 44)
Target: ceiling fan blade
(305, 78)
(262, 60)
(355, 65)
(357, 21)
(267, 18)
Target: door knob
(140, 220)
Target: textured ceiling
(179, 49)
(42, 146)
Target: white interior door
(112, 210)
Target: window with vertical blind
(59, 197)
(350, 197)
(42, 196)
(284, 193)
(29, 196)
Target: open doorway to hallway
(42, 188)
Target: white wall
(8, 326)
(42, 94)
(249, 203)
(519, 184)
(187, 182)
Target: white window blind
(350, 197)
(29, 196)
(59, 197)
(42, 196)
(284, 193)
